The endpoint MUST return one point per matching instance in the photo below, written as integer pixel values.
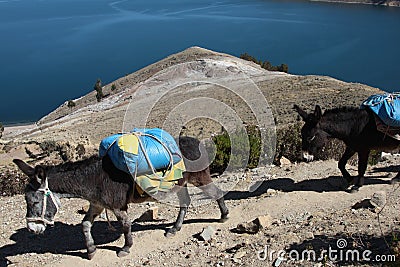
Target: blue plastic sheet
(136, 163)
(386, 107)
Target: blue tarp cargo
(386, 107)
(126, 150)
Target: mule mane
(70, 177)
(84, 178)
(341, 110)
(344, 114)
(73, 166)
(345, 121)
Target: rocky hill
(171, 80)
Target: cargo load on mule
(386, 108)
(151, 156)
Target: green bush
(284, 68)
(288, 142)
(266, 64)
(99, 90)
(71, 104)
(113, 87)
(1, 129)
(49, 146)
(245, 154)
(248, 57)
(12, 182)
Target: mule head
(313, 137)
(41, 204)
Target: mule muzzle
(38, 224)
(36, 227)
(307, 156)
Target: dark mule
(354, 126)
(106, 187)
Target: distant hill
(97, 119)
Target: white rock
(284, 161)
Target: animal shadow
(147, 226)
(63, 239)
(285, 184)
(393, 168)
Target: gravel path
(306, 207)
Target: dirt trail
(303, 200)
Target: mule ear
(301, 112)
(24, 167)
(318, 112)
(40, 174)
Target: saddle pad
(391, 131)
(131, 152)
(152, 184)
(386, 107)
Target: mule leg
(348, 153)
(122, 217)
(224, 209)
(395, 179)
(362, 167)
(184, 202)
(87, 223)
(212, 191)
(204, 182)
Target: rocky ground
(301, 206)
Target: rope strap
(46, 193)
(153, 170)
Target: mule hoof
(171, 232)
(347, 184)
(354, 189)
(122, 253)
(224, 219)
(344, 187)
(91, 254)
(395, 180)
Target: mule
(354, 126)
(106, 187)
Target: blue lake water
(54, 50)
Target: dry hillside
(89, 121)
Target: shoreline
(384, 4)
(17, 124)
(12, 130)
